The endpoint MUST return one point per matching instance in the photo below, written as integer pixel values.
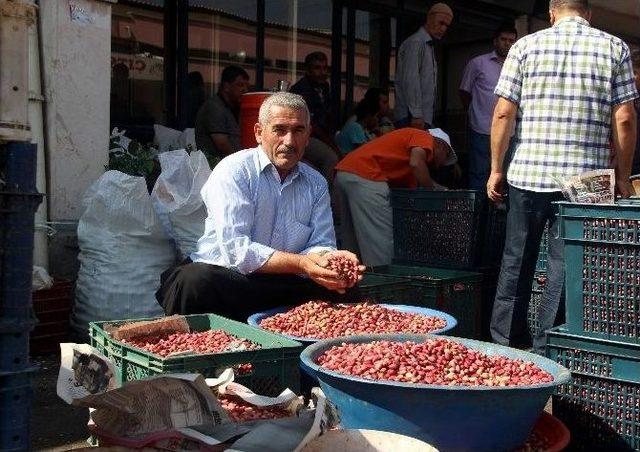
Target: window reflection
(221, 33)
(137, 69)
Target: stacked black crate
(19, 201)
(600, 343)
(439, 245)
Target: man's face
(285, 137)
(237, 88)
(636, 76)
(503, 43)
(437, 25)
(318, 72)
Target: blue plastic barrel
(457, 418)
(255, 319)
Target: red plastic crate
(52, 308)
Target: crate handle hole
(17, 335)
(15, 438)
(16, 360)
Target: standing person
(314, 88)
(217, 129)
(564, 120)
(478, 99)
(269, 229)
(417, 71)
(402, 158)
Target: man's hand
(624, 189)
(495, 187)
(314, 266)
(351, 256)
(417, 123)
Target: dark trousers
(528, 213)
(197, 288)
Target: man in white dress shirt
(269, 230)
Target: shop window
(221, 33)
(137, 70)
(293, 29)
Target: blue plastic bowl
(255, 319)
(459, 418)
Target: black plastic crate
(601, 403)
(384, 289)
(455, 292)
(438, 228)
(602, 261)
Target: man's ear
(257, 130)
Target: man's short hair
(575, 5)
(231, 73)
(506, 27)
(314, 57)
(635, 59)
(285, 100)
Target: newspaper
(592, 187)
(83, 371)
(180, 411)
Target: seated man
(398, 159)
(269, 230)
(217, 127)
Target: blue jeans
(526, 218)
(479, 160)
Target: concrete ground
(55, 426)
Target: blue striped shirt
(566, 80)
(251, 214)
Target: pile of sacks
(128, 237)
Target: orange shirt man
(398, 159)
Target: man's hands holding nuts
(335, 270)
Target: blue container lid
(255, 319)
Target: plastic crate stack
(539, 282)
(440, 238)
(600, 343)
(18, 204)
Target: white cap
(439, 133)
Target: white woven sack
(123, 251)
(176, 197)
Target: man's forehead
(286, 115)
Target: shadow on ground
(55, 426)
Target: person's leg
(555, 277)
(195, 288)
(525, 222)
(347, 232)
(370, 208)
(479, 160)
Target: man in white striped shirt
(269, 229)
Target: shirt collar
(427, 37)
(264, 162)
(572, 19)
(494, 56)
